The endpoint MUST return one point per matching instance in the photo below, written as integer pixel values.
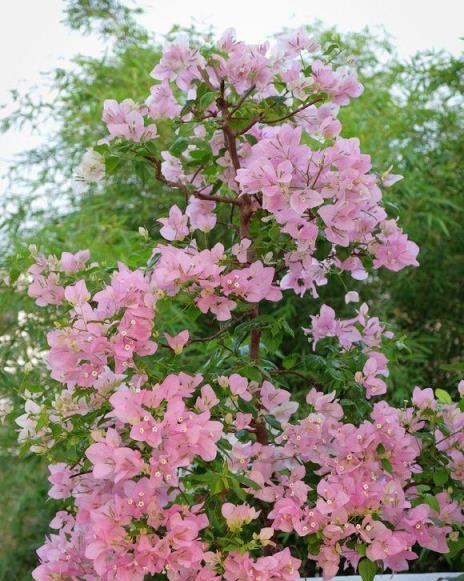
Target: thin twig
(241, 101)
(318, 175)
(183, 188)
(256, 119)
(292, 113)
(219, 332)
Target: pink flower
(112, 461)
(168, 452)
(77, 294)
(394, 251)
(239, 386)
(162, 104)
(254, 283)
(385, 544)
(178, 342)
(332, 497)
(351, 297)
(240, 250)
(179, 63)
(61, 478)
(46, 290)
(388, 179)
(74, 262)
(297, 41)
(323, 325)
(175, 226)
(277, 402)
(461, 388)
(237, 516)
(243, 421)
(286, 515)
(423, 398)
(207, 399)
(126, 120)
(201, 214)
(171, 168)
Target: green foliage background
(410, 115)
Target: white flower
(351, 297)
(91, 169)
(5, 408)
(143, 232)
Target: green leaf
(367, 569)
(207, 99)
(143, 171)
(380, 449)
(440, 476)
(235, 486)
(187, 107)
(331, 48)
(42, 421)
(386, 465)
(111, 163)
(179, 145)
(459, 366)
(251, 373)
(361, 549)
(422, 488)
(456, 547)
(432, 502)
(247, 481)
(201, 155)
(213, 480)
(239, 124)
(271, 420)
(443, 396)
(314, 544)
(289, 362)
(251, 139)
(271, 340)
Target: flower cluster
(131, 512)
(203, 274)
(332, 192)
(363, 330)
(45, 286)
(308, 192)
(79, 353)
(211, 470)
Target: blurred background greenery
(410, 115)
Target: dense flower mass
(221, 473)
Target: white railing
(395, 577)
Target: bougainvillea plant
(217, 473)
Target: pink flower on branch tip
(77, 294)
(178, 342)
(237, 516)
(175, 226)
(74, 262)
(240, 250)
(351, 297)
(239, 386)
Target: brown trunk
(246, 213)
